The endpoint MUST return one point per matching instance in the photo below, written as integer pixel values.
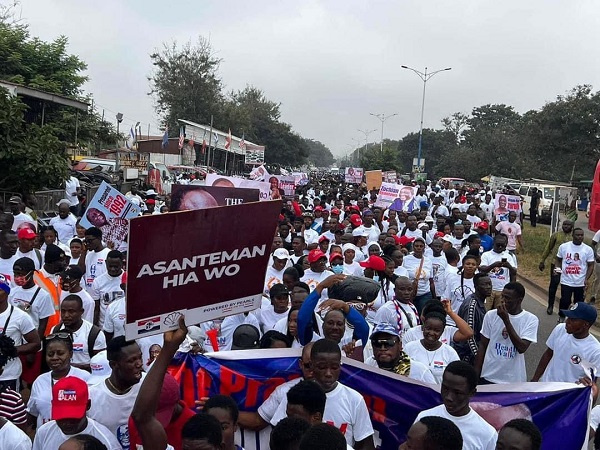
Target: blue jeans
(420, 301)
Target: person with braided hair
(430, 351)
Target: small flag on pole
(181, 138)
(204, 143)
(242, 143)
(216, 138)
(165, 139)
(228, 140)
(131, 140)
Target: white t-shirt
(112, 410)
(81, 352)
(500, 276)
(345, 409)
(353, 269)
(436, 360)
(114, 320)
(502, 362)
(456, 292)
(6, 268)
(42, 307)
(569, 352)
(71, 186)
(269, 407)
(511, 230)
(418, 371)
(95, 265)
(595, 417)
(36, 255)
(267, 317)
(574, 263)
(313, 278)
(388, 313)
(106, 289)
(86, 299)
(18, 326)
(311, 236)
(415, 234)
(272, 277)
(456, 242)
(412, 264)
(64, 227)
(476, 432)
(401, 271)
(49, 436)
(373, 231)
(439, 265)
(416, 334)
(488, 209)
(40, 400)
(13, 438)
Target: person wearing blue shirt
(487, 242)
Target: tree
(185, 84)
(319, 155)
(31, 157)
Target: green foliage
(31, 157)
(319, 155)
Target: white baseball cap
(281, 253)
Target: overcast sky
(331, 63)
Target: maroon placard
(205, 263)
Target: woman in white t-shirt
(59, 351)
(292, 328)
(460, 286)
(430, 351)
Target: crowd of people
(425, 289)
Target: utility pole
(382, 118)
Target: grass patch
(535, 240)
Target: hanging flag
(181, 138)
(165, 139)
(216, 138)
(228, 140)
(203, 150)
(131, 140)
(242, 143)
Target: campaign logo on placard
(148, 325)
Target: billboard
(353, 175)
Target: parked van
(547, 194)
(452, 182)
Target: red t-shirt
(173, 429)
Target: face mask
(20, 280)
(376, 278)
(338, 270)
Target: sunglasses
(61, 335)
(384, 343)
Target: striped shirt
(12, 407)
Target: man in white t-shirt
(108, 287)
(400, 313)
(459, 384)
(370, 226)
(64, 223)
(114, 319)
(345, 408)
(12, 437)
(275, 271)
(93, 258)
(439, 265)
(269, 314)
(317, 272)
(113, 399)
(70, 281)
(84, 333)
(572, 351)
(576, 262)
(18, 326)
(506, 334)
(17, 209)
(70, 401)
(501, 267)
(512, 230)
(8, 249)
(27, 248)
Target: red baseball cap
(315, 255)
(324, 238)
(483, 225)
(405, 240)
(374, 262)
(439, 234)
(335, 211)
(335, 255)
(70, 398)
(26, 233)
(318, 208)
(355, 220)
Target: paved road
(537, 305)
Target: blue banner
(560, 410)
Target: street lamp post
(357, 143)
(366, 133)
(425, 77)
(119, 118)
(382, 118)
